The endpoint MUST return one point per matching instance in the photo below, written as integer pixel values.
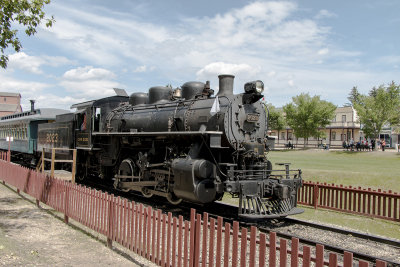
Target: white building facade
(343, 127)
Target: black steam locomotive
(182, 144)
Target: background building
(10, 103)
(344, 126)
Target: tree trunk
(278, 136)
(376, 141)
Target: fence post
(243, 247)
(272, 249)
(253, 242)
(219, 242)
(380, 263)
(315, 196)
(197, 241)
(319, 255)
(66, 203)
(73, 165)
(192, 236)
(110, 221)
(347, 259)
(53, 158)
(43, 159)
(294, 260)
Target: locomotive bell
(177, 93)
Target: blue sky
(320, 47)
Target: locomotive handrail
(257, 174)
(53, 160)
(157, 133)
(245, 171)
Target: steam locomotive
(183, 144)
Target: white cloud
(89, 82)
(266, 40)
(323, 51)
(49, 100)
(251, 34)
(25, 62)
(143, 68)
(56, 61)
(37, 91)
(33, 63)
(216, 68)
(9, 84)
(103, 39)
(323, 13)
(88, 73)
(81, 84)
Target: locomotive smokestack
(225, 84)
(32, 105)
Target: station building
(10, 103)
(344, 126)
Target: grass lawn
(366, 169)
(360, 223)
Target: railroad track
(370, 257)
(278, 225)
(229, 213)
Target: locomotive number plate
(252, 117)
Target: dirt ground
(32, 236)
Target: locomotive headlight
(256, 87)
(259, 87)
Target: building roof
(83, 104)
(10, 94)
(40, 114)
(10, 107)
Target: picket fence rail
(355, 200)
(4, 155)
(164, 239)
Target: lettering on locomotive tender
(52, 138)
(82, 139)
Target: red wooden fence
(164, 239)
(4, 155)
(372, 203)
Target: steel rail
(328, 247)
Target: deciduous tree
(306, 114)
(379, 108)
(276, 120)
(27, 13)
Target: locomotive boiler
(186, 145)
